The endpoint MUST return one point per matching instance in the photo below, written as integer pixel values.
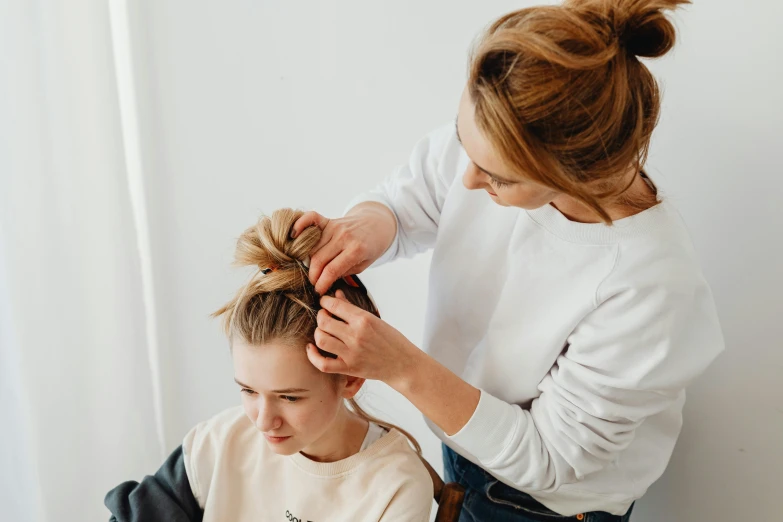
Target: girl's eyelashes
(286, 398)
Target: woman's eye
(498, 183)
(247, 390)
(289, 398)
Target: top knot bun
(268, 244)
(642, 26)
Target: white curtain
(79, 407)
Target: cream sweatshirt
(235, 476)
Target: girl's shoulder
(396, 467)
(228, 433)
(231, 423)
(392, 454)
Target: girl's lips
(276, 440)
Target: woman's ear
(352, 386)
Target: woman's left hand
(365, 345)
(368, 347)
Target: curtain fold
(78, 407)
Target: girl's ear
(352, 386)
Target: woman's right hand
(349, 244)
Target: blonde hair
(561, 94)
(279, 304)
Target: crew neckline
(596, 233)
(326, 469)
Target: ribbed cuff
(490, 429)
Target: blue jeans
(486, 499)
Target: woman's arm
(370, 347)
(629, 359)
(399, 218)
(438, 393)
(416, 191)
(163, 497)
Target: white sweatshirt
(234, 476)
(582, 337)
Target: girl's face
(488, 172)
(293, 404)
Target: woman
(567, 312)
(317, 459)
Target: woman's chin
(497, 200)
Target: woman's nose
(473, 178)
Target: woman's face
(488, 172)
(291, 402)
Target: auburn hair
(562, 95)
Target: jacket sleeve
(163, 497)
(415, 192)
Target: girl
(294, 451)
(567, 311)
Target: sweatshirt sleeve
(415, 192)
(163, 497)
(629, 359)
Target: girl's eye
(247, 390)
(498, 183)
(289, 398)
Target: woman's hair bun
(642, 26)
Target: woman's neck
(576, 211)
(343, 439)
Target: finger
(321, 258)
(334, 270)
(326, 238)
(309, 219)
(329, 343)
(359, 268)
(340, 295)
(325, 364)
(341, 308)
(332, 326)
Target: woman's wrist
(438, 393)
(382, 227)
(377, 210)
(411, 360)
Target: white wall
(253, 105)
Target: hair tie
(353, 282)
(272, 268)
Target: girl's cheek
(314, 415)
